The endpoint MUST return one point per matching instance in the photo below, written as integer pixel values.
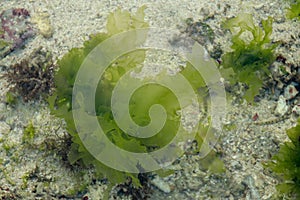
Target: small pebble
(161, 185)
(4, 128)
(281, 107)
(253, 193)
(296, 109)
(258, 6)
(290, 92)
(41, 19)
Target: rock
(41, 19)
(258, 6)
(281, 107)
(236, 165)
(253, 193)
(290, 92)
(194, 184)
(296, 109)
(161, 185)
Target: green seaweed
(294, 11)
(3, 44)
(211, 162)
(250, 60)
(60, 102)
(286, 163)
(11, 98)
(29, 132)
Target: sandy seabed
(244, 148)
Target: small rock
(258, 6)
(161, 185)
(236, 165)
(2, 107)
(296, 109)
(4, 128)
(281, 107)
(194, 184)
(290, 92)
(41, 19)
(250, 182)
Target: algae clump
(142, 99)
(286, 163)
(250, 57)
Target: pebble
(250, 182)
(161, 185)
(258, 6)
(2, 107)
(236, 165)
(4, 128)
(296, 109)
(41, 19)
(281, 107)
(194, 184)
(290, 92)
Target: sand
(29, 172)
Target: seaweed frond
(286, 163)
(294, 11)
(250, 57)
(32, 78)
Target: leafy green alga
(294, 11)
(249, 59)
(286, 163)
(142, 99)
(29, 132)
(61, 101)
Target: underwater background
(254, 45)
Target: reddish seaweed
(15, 29)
